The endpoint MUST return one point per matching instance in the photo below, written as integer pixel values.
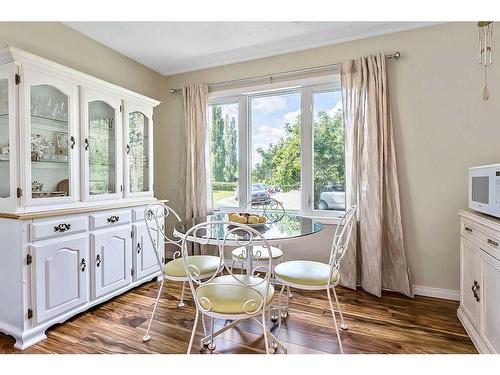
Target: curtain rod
(270, 77)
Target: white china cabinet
(76, 173)
(479, 309)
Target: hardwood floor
(391, 324)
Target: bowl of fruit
(250, 219)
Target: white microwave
(484, 189)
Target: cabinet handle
(493, 243)
(128, 149)
(86, 144)
(468, 229)
(62, 227)
(84, 265)
(73, 142)
(113, 219)
(98, 260)
(475, 288)
(138, 248)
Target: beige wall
(442, 126)
(59, 43)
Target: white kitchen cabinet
(112, 259)
(490, 295)
(60, 276)
(69, 187)
(479, 309)
(146, 262)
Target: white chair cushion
(206, 264)
(228, 296)
(306, 272)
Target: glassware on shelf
(4, 140)
(138, 152)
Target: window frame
(307, 92)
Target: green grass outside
(221, 194)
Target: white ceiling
(175, 47)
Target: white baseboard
(428, 291)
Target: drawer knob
(62, 227)
(113, 219)
(492, 243)
(468, 229)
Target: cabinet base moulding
(471, 331)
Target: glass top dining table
(285, 228)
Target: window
(223, 130)
(283, 143)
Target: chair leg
(279, 311)
(343, 324)
(290, 295)
(146, 337)
(232, 266)
(194, 332)
(335, 321)
(266, 341)
(211, 346)
(181, 303)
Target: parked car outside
(332, 198)
(259, 193)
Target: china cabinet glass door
(52, 171)
(102, 148)
(6, 130)
(138, 149)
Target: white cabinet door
(138, 141)
(60, 276)
(112, 259)
(146, 261)
(49, 138)
(469, 299)
(490, 301)
(102, 155)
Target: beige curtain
(197, 190)
(376, 258)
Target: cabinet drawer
(485, 237)
(109, 218)
(43, 229)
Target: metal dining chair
(231, 297)
(311, 275)
(155, 216)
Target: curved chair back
(225, 235)
(271, 208)
(341, 238)
(155, 216)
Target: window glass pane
(223, 122)
(275, 137)
(328, 152)
(4, 140)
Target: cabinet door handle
(98, 260)
(468, 229)
(493, 243)
(113, 219)
(128, 149)
(475, 288)
(139, 248)
(84, 265)
(62, 227)
(86, 141)
(73, 142)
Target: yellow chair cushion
(207, 264)
(259, 253)
(306, 272)
(228, 296)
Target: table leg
(249, 259)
